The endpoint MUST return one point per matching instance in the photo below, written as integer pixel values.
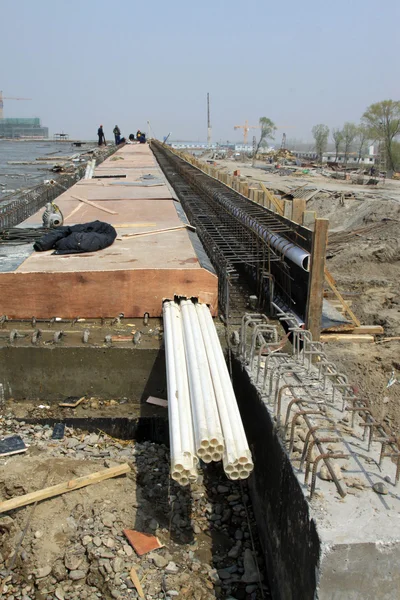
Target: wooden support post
(229, 180)
(287, 209)
(299, 206)
(317, 278)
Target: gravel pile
(75, 546)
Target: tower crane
(246, 128)
(7, 98)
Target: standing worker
(100, 133)
(117, 135)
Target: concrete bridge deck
(133, 275)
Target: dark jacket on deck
(84, 237)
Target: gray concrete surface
(327, 548)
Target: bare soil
(364, 258)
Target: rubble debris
(142, 542)
(12, 445)
(58, 431)
(72, 404)
(157, 401)
(204, 531)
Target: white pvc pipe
(183, 459)
(207, 426)
(236, 446)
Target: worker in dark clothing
(100, 133)
(138, 134)
(131, 137)
(117, 135)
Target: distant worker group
(140, 136)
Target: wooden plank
(331, 282)
(287, 209)
(111, 212)
(316, 281)
(62, 488)
(142, 233)
(299, 206)
(347, 338)
(273, 199)
(391, 339)
(136, 582)
(74, 405)
(110, 291)
(372, 329)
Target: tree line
(380, 124)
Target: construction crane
(246, 128)
(7, 98)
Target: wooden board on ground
(72, 404)
(347, 338)
(372, 329)
(62, 488)
(136, 582)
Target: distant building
(23, 128)
(243, 148)
(352, 158)
(306, 154)
(191, 145)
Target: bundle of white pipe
(206, 422)
(183, 456)
(237, 460)
(204, 418)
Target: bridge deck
(133, 275)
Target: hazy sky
(86, 62)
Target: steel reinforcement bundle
(204, 419)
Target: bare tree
(362, 140)
(320, 133)
(349, 133)
(337, 140)
(383, 122)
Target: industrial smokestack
(208, 121)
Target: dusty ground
(364, 258)
(74, 546)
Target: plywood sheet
(168, 250)
(103, 293)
